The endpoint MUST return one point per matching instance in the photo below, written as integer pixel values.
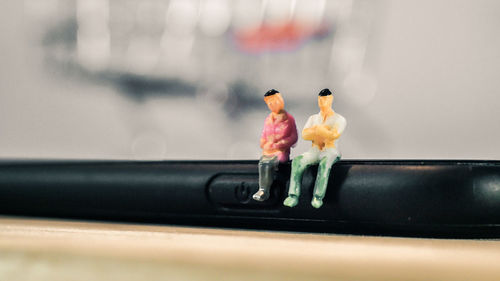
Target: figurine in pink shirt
(278, 136)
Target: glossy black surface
(410, 198)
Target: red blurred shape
(287, 36)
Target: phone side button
(235, 191)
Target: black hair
(270, 93)
(325, 92)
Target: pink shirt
(283, 130)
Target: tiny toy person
(323, 129)
(278, 136)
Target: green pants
(326, 158)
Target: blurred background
(184, 79)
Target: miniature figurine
(323, 129)
(278, 135)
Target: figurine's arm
(326, 132)
(309, 132)
(291, 137)
(340, 126)
(332, 132)
(264, 143)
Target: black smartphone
(428, 198)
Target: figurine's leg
(299, 165)
(267, 167)
(329, 157)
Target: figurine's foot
(291, 201)
(317, 202)
(261, 196)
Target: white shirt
(336, 121)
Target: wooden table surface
(45, 249)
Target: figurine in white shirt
(323, 129)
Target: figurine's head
(274, 101)
(325, 100)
